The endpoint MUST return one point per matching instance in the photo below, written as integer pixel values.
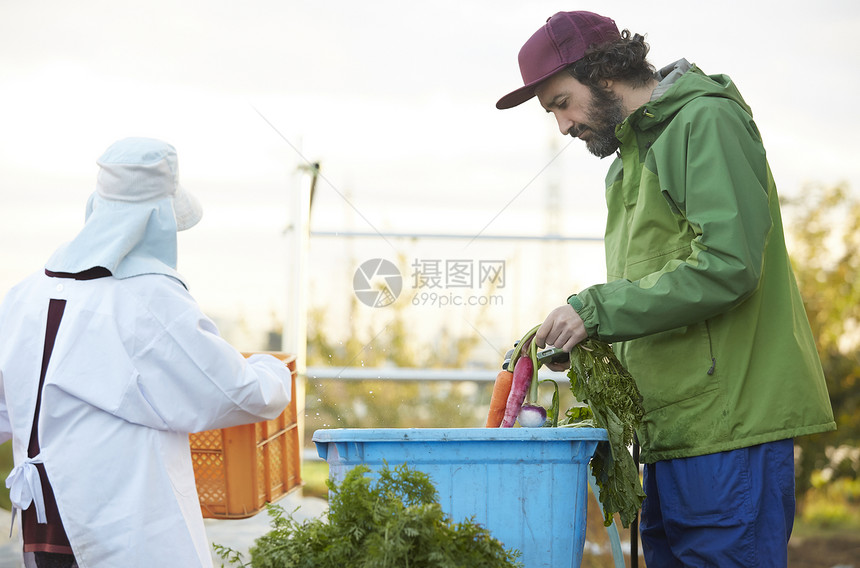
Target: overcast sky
(396, 101)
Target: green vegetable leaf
(598, 379)
(578, 414)
(552, 412)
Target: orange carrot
(501, 390)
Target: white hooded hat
(144, 169)
(134, 214)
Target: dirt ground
(829, 549)
(825, 551)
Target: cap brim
(516, 98)
(186, 209)
(524, 93)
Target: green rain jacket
(701, 304)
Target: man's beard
(605, 112)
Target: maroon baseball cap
(562, 41)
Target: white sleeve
(5, 424)
(192, 379)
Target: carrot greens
(394, 522)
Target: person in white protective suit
(106, 364)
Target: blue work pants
(722, 510)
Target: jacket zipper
(710, 349)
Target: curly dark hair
(621, 60)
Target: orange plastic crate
(240, 469)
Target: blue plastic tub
(528, 486)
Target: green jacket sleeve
(710, 166)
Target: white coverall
(136, 366)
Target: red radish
(523, 371)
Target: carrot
(523, 371)
(499, 399)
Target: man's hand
(562, 328)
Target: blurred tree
(824, 237)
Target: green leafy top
(394, 523)
(598, 379)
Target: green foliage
(314, 477)
(827, 513)
(832, 503)
(6, 465)
(395, 522)
(825, 251)
(600, 380)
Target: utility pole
(294, 338)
